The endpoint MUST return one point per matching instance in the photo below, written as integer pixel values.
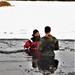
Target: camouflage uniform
(47, 46)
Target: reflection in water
(35, 63)
(46, 65)
(17, 63)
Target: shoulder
(28, 40)
(54, 38)
(43, 38)
(27, 44)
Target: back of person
(49, 44)
(46, 47)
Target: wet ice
(21, 63)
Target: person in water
(32, 45)
(47, 45)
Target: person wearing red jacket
(32, 45)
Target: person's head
(47, 29)
(35, 33)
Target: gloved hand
(27, 50)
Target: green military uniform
(47, 45)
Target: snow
(21, 19)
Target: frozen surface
(21, 63)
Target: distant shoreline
(27, 39)
(13, 39)
(66, 39)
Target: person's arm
(56, 45)
(27, 44)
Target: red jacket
(34, 52)
(27, 44)
(31, 45)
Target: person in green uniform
(46, 47)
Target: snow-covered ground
(20, 63)
(25, 16)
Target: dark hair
(34, 31)
(47, 29)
